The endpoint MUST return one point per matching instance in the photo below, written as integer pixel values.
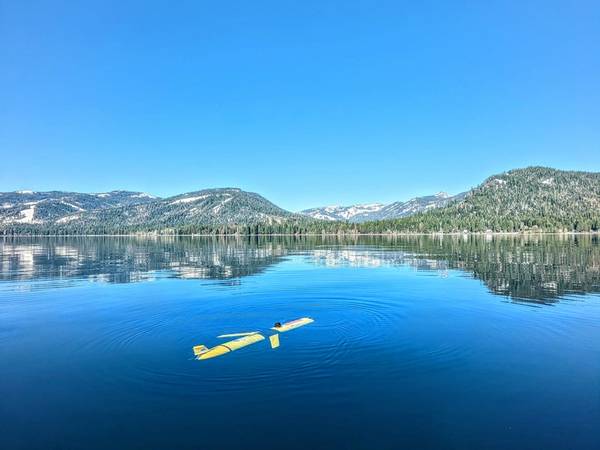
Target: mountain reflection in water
(539, 269)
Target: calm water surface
(417, 343)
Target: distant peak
(442, 194)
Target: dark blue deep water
(460, 342)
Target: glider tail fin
(200, 349)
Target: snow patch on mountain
(143, 195)
(320, 216)
(353, 211)
(68, 218)
(27, 215)
(188, 199)
(218, 208)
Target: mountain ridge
(126, 211)
(529, 199)
(32, 207)
(366, 212)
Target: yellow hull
(293, 324)
(202, 352)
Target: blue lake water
(456, 342)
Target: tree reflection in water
(541, 269)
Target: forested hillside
(531, 199)
(209, 209)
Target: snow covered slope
(29, 207)
(379, 211)
(353, 213)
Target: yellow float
(248, 338)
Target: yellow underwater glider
(249, 338)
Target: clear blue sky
(307, 103)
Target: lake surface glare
(422, 342)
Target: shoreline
(395, 234)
